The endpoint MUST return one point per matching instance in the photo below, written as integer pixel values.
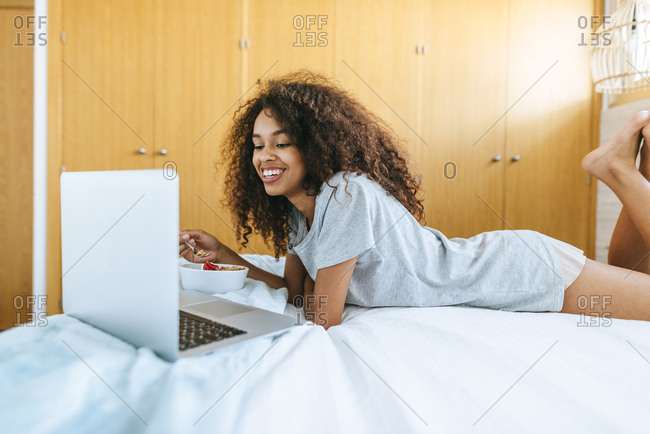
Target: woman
(312, 170)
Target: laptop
(120, 261)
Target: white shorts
(572, 259)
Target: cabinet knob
(516, 158)
(163, 151)
(496, 158)
(142, 151)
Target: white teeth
(269, 173)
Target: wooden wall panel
(464, 89)
(197, 75)
(284, 38)
(376, 60)
(16, 167)
(550, 126)
(108, 86)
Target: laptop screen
(119, 240)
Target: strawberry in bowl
(210, 266)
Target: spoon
(196, 252)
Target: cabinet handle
(496, 158)
(142, 151)
(424, 49)
(417, 49)
(248, 44)
(516, 158)
(163, 151)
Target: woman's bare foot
(618, 156)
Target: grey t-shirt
(402, 263)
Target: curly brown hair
(332, 130)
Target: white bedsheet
(444, 369)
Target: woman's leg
(614, 164)
(610, 292)
(627, 248)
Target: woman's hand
(324, 300)
(200, 240)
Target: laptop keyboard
(195, 331)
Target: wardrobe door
(16, 163)
(285, 36)
(464, 99)
(108, 86)
(282, 37)
(376, 55)
(198, 81)
(549, 128)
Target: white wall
(39, 244)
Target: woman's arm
(294, 275)
(324, 299)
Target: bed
(383, 370)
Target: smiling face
(277, 160)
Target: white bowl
(212, 281)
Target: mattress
(442, 369)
